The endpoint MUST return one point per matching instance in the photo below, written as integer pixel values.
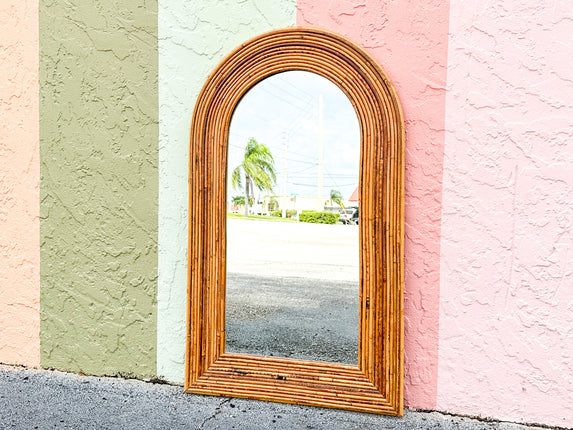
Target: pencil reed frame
(376, 383)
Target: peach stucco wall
(506, 320)
(409, 39)
(19, 183)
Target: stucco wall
(99, 155)
(487, 260)
(506, 336)
(409, 40)
(19, 184)
(193, 38)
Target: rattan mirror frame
(376, 383)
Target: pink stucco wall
(19, 184)
(506, 320)
(409, 39)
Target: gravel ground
(40, 399)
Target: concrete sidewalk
(40, 399)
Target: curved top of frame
(320, 51)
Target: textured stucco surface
(409, 40)
(19, 184)
(506, 323)
(99, 155)
(193, 38)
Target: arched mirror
(292, 283)
(296, 226)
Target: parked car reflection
(349, 216)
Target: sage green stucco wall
(99, 185)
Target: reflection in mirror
(292, 221)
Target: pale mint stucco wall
(193, 38)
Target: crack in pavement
(217, 412)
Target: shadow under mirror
(292, 287)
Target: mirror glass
(292, 221)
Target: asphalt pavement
(292, 317)
(292, 290)
(41, 399)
